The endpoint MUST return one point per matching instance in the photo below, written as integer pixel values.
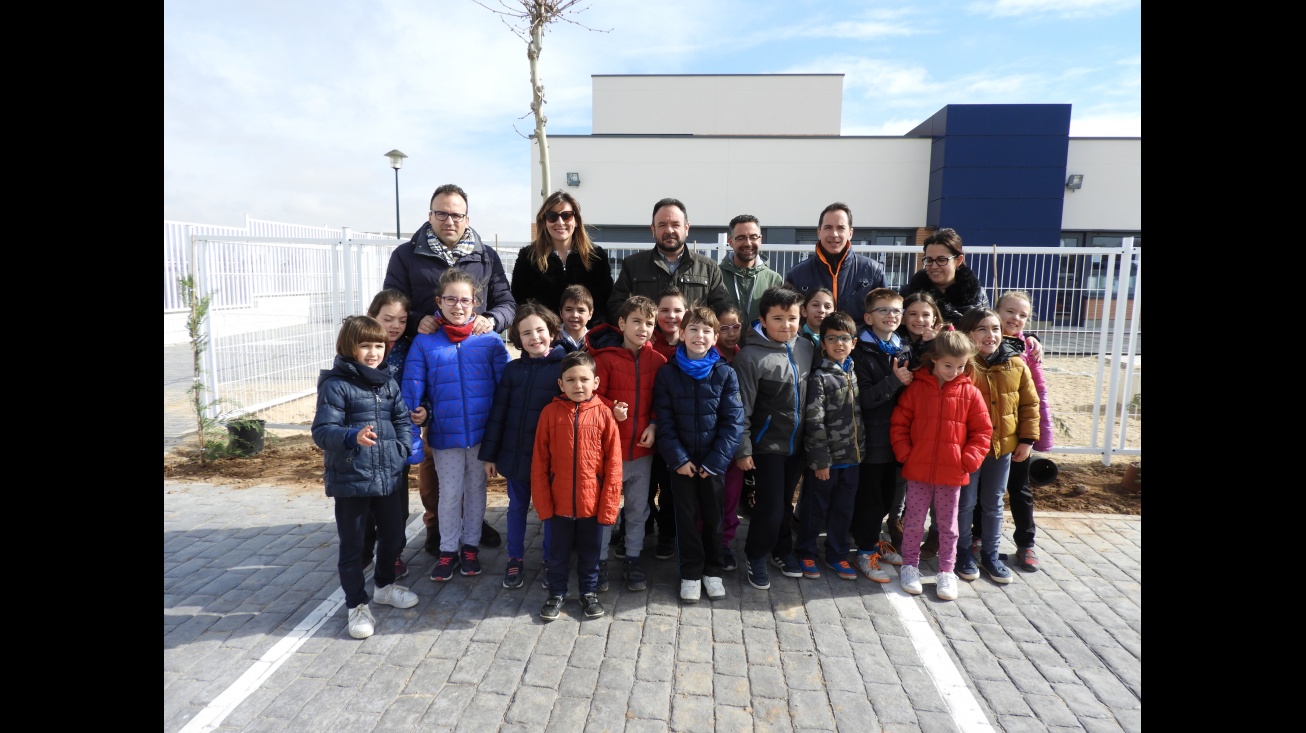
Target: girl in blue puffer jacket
(456, 372)
(362, 426)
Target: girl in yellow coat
(1007, 385)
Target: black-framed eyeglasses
(553, 216)
(833, 339)
(938, 261)
(445, 215)
(750, 238)
(886, 311)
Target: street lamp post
(396, 162)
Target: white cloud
(1061, 8)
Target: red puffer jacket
(940, 434)
(576, 471)
(623, 378)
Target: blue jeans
(519, 505)
(988, 484)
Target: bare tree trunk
(533, 50)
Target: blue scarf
(890, 347)
(696, 368)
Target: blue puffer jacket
(527, 386)
(699, 420)
(347, 403)
(458, 381)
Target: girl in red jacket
(940, 431)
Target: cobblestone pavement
(253, 642)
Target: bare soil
(291, 460)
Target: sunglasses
(553, 216)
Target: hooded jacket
(1045, 440)
(1008, 389)
(940, 434)
(878, 390)
(528, 384)
(346, 403)
(745, 285)
(576, 470)
(773, 388)
(857, 276)
(458, 381)
(836, 435)
(699, 420)
(415, 271)
(964, 293)
(646, 273)
(625, 378)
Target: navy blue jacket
(858, 275)
(415, 271)
(347, 403)
(526, 387)
(878, 389)
(698, 420)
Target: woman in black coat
(562, 255)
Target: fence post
(1125, 265)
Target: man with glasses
(834, 265)
(670, 262)
(446, 241)
(744, 272)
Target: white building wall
(745, 104)
(783, 181)
(1112, 196)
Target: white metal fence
(278, 302)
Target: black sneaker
(444, 567)
(490, 536)
(544, 575)
(603, 577)
(471, 564)
(619, 549)
(789, 565)
(666, 548)
(635, 579)
(590, 604)
(551, 608)
(728, 561)
(512, 575)
(433, 541)
(757, 576)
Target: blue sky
(284, 110)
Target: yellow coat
(1008, 390)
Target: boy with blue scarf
(700, 421)
(880, 362)
(836, 441)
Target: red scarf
(457, 334)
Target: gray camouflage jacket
(835, 435)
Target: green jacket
(645, 273)
(746, 285)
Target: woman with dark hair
(946, 277)
(562, 255)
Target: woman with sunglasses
(562, 255)
(947, 278)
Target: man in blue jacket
(445, 241)
(834, 265)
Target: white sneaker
(945, 586)
(909, 577)
(395, 595)
(361, 621)
(869, 564)
(689, 590)
(716, 590)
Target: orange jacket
(576, 471)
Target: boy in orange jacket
(576, 481)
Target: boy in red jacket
(576, 481)
(940, 431)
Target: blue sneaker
(808, 564)
(757, 576)
(789, 566)
(843, 569)
(966, 567)
(997, 572)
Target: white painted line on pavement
(965, 709)
(217, 711)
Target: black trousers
(1021, 497)
(875, 489)
(770, 528)
(698, 499)
(583, 536)
(827, 506)
(369, 531)
(351, 516)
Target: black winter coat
(546, 287)
(527, 386)
(964, 293)
(350, 397)
(415, 271)
(878, 390)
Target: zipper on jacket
(575, 458)
(789, 353)
(378, 473)
(634, 428)
(462, 391)
(848, 379)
